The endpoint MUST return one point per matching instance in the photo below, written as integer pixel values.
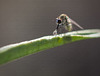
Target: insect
(66, 22)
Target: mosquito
(66, 22)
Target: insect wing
(73, 22)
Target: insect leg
(56, 30)
(68, 27)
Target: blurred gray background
(22, 20)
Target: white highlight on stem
(74, 33)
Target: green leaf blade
(18, 50)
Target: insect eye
(58, 21)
